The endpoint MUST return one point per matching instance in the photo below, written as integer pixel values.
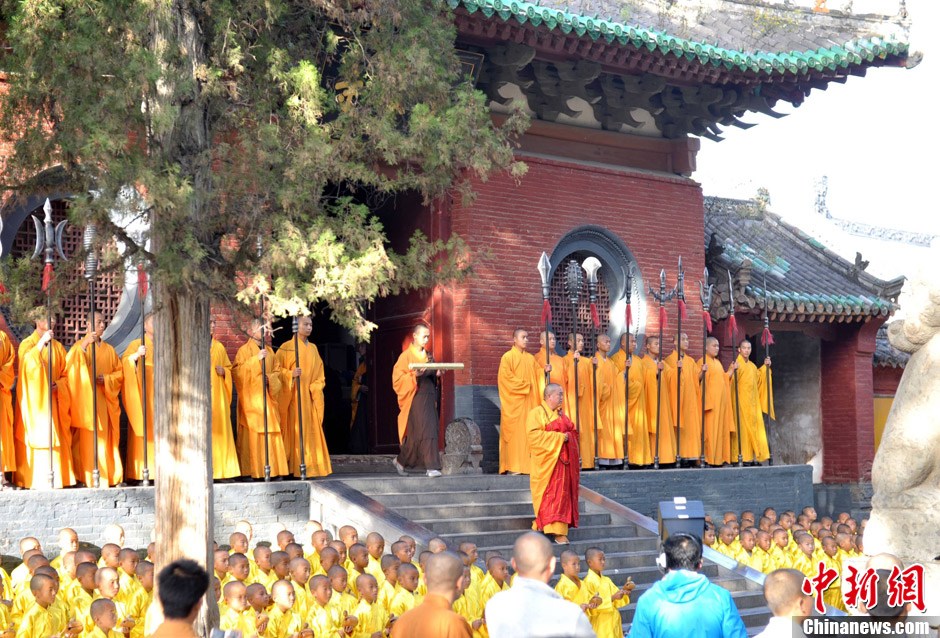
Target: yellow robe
(753, 404)
(108, 421)
(468, 606)
(833, 594)
(324, 621)
(133, 402)
(312, 381)
(605, 619)
(544, 448)
(6, 621)
(405, 384)
(610, 401)
(579, 393)
(766, 560)
(719, 418)
(569, 590)
(224, 456)
(100, 633)
(387, 593)
(690, 422)
(638, 436)
(7, 359)
(31, 424)
(518, 382)
(246, 372)
(243, 621)
(372, 618)
(403, 601)
(37, 623)
(559, 375)
(667, 434)
(282, 624)
(375, 568)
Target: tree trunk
(180, 140)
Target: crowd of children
(792, 540)
(324, 588)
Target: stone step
(453, 510)
(508, 524)
(750, 604)
(610, 538)
(641, 575)
(640, 559)
(457, 497)
(404, 484)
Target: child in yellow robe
(605, 617)
(104, 616)
(38, 621)
(833, 594)
(321, 618)
(406, 597)
(569, 584)
(389, 587)
(237, 615)
(468, 604)
(370, 615)
(284, 621)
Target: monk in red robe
(554, 468)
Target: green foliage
(223, 117)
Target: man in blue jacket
(683, 604)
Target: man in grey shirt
(532, 609)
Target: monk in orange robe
(224, 455)
(719, 418)
(107, 385)
(246, 372)
(7, 376)
(557, 373)
(554, 468)
(31, 425)
(685, 377)
(638, 437)
(752, 395)
(579, 394)
(518, 383)
(134, 378)
(308, 372)
(418, 419)
(610, 401)
(657, 401)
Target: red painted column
(848, 420)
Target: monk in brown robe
(518, 382)
(554, 473)
(417, 403)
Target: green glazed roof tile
(766, 62)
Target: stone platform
(269, 506)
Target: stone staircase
(492, 511)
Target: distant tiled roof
(886, 355)
(748, 36)
(805, 281)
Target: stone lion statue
(905, 518)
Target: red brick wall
(848, 426)
(658, 217)
(886, 380)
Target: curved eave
(846, 58)
(816, 307)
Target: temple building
(619, 93)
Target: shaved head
(436, 545)
(532, 555)
(783, 589)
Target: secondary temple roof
(805, 281)
(669, 68)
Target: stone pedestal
(463, 449)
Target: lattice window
(562, 324)
(72, 321)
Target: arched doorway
(616, 260)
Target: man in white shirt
(783, 589)
(532, 609)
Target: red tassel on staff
(3, 289)
(46, 277)
(141, 281)
(682, 312)
(707, 318)
(546, 312)
(662, 318)
(766, 339)
(732, 328)
(595, 317)
(629, 318)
